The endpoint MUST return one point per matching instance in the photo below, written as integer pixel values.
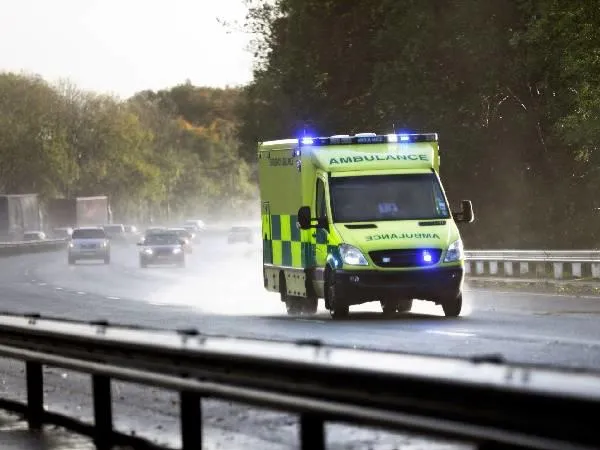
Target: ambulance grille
(414, 257)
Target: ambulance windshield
(387, 197)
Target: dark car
(240, 234)
(162, 248)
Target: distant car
(185, 236)
(240, 234)
(62, 233)
(34, 236)
(115, 231)
(193, 230)
(162, 248)
(89, 243)
(196, 223)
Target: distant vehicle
(115, 231)
(196, 223)
(62, 233)
(34, 236)
(240, 234)
(89, 243)
(192, 229)
(162, 248)
(185, 236)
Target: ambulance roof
(365, 151)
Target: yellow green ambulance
(356, 219)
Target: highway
(220, 292)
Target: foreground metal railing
(482, 400)
(563, 263)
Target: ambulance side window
(320, 203)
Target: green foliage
(159, 155)
(512, 86)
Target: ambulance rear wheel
(452, 306)
(338, 309)
(293, 305)
(310, 305)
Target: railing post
(312, 432)
(479, 267)
(595, 270)
(508, 268)
(191, 420)
(103, 421)
(523, 268)
(467, 267)
(493, 267)
(558, 270)
(35, 395)
(576, 270)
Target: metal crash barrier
(23, 247)
(545, 263)
(482, 400)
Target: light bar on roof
(369, 139)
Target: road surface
(220, 292)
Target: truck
(19, 213)
(77, 212)
(357, 219)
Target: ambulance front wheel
(338, 309)
(452, 306)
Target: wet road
(220, 292)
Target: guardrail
(564, 263)
(481, 400)
(22, 247)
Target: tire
(181, 264)
(71, 260)
(452, 306)
(310, 306)
(338, 309)
(107, 259)
(143, 264)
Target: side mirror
(304, 217)
(139, 244)
(466, 214)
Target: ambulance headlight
(455, 252)
(352, 256)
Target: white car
(89, 243)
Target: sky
(123, 46)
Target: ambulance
(356, 219)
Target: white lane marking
(452, 333)
(539, 294)
(81, 293)
(311, 320)
(42, 284)
(113, 298)
(58, 288)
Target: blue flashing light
(427, 258)
(368, 138)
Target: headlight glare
(352, 256)
(455, 252)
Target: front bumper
(162, 258)
(435, 284)
(97, 253)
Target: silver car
(89, 243)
